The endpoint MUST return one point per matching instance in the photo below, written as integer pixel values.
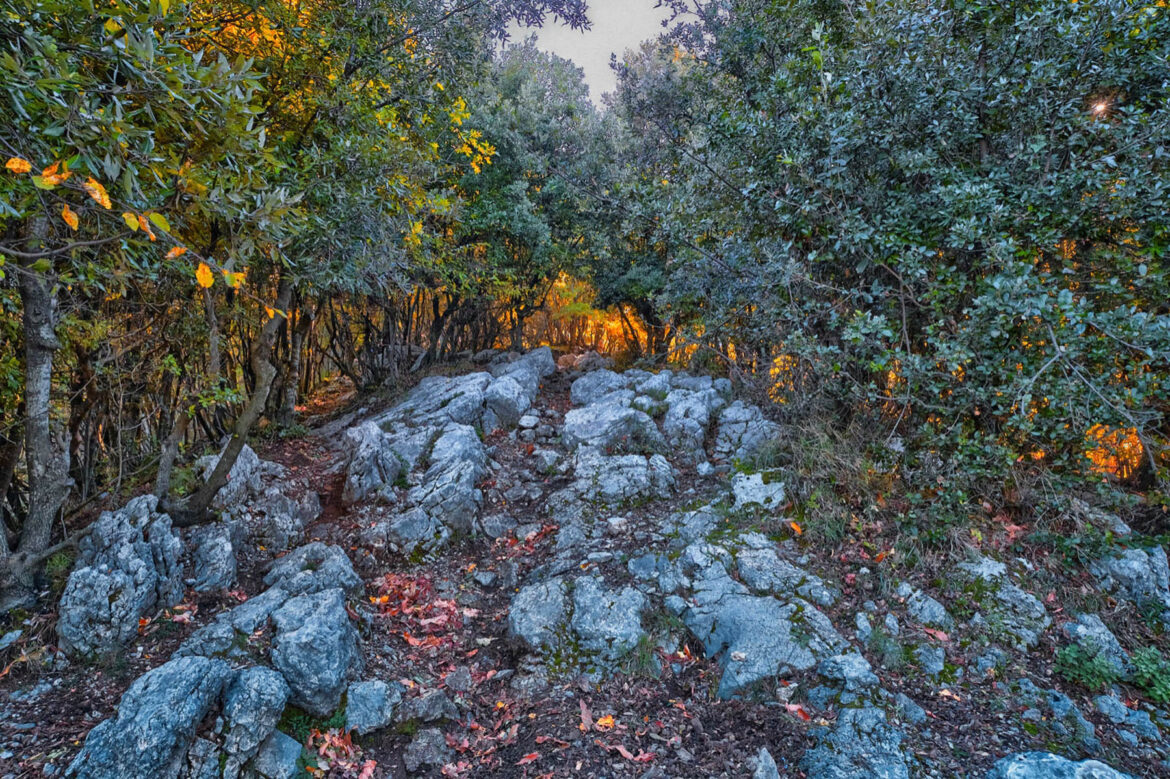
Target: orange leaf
(203, 275)
(176, 252)
(52, 177)
(531, 757)
(144, 226)
(18, 165)
(69, 215)
(95, 190)
(796, 528)
(605, 723)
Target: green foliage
(1079, 665)
(298, 723)
(963, 245)
(1151, 672)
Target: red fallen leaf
(586, 719)
(641, 757)
(368, 770)
(183, 618)
(1051, 598)
(531, 757)
(798, 710)
(850, 579)
(554, 739)
(937, 634)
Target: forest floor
(658, 716)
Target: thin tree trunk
(195, 510)
(170, 450)
(286, 414)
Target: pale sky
(617, 25)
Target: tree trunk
(170, 450)
(287, 412)
(46, 453)
(195, 509)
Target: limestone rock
(156, 721)
(369, 706)
(536, 613)
(608, 622)
(1045, 765)
(128, 568)
(316, 649)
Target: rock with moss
(536, 613)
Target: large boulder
(537, 612)
(245, 479)
(214, 560)
(1142, 575)
(619, 478)
(742, 431)
(312, 568)
(439, 400)
(613, 427)
(688, 418)
(861, 743)
(316, 649)
(156, 722)
(128, 567)
(595, 385)
(755, 637)
(372, 465)
(252, 707)
(447, 492)
(608, 622)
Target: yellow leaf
(131, 220)
(161, 222)
(270, 311)
(69, 215)
(177, 252)
(203, 275)
(233, 280)
(604, 723)
(144, 226)
(111, 26)
(18, 165)
(98, 193)
(165, 7)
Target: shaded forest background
(932, 233)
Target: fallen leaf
(586, 718)
(531, 757)
(605, 723)
(937, 634)
(18, 165)
(798, 710)
(796, 528)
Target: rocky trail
(529, 570)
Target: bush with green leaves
(1090, 669)
(949, 215)
(1151, 672)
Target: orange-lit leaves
(70, 216)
